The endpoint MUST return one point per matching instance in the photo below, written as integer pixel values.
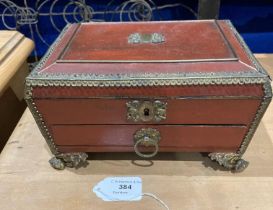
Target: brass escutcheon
(146, 111)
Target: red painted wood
(108, 41)
(61, 45)
(189, 138)
(190, 111)
(232, 39)
(107, 148)
(165, 91)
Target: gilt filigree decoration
(145, 111)
(231, 161)
(71, 160)
(138, 38)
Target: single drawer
(177, 111)
(95, 138)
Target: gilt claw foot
(71, 160)
(231, 161)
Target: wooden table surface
(183, 181)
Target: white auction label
(119, 189)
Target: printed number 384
(124, 187)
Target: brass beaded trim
(261, 110)
(30, 102)
(41, 124)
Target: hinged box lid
(149, 53)
(149, 42)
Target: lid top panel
(145, 42)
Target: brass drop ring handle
(143, 141)
(146, 137)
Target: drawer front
(97, 138)
(178, 111)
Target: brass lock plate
(146, 111)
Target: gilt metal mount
(146, 111)
(148, 137)
(138, 38)
(231, 161)
(71, 160)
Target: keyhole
(146, 112)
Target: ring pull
(146, 137)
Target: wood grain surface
(182, 180)
(14, 50)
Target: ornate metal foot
(230, 161)
(72, 160)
